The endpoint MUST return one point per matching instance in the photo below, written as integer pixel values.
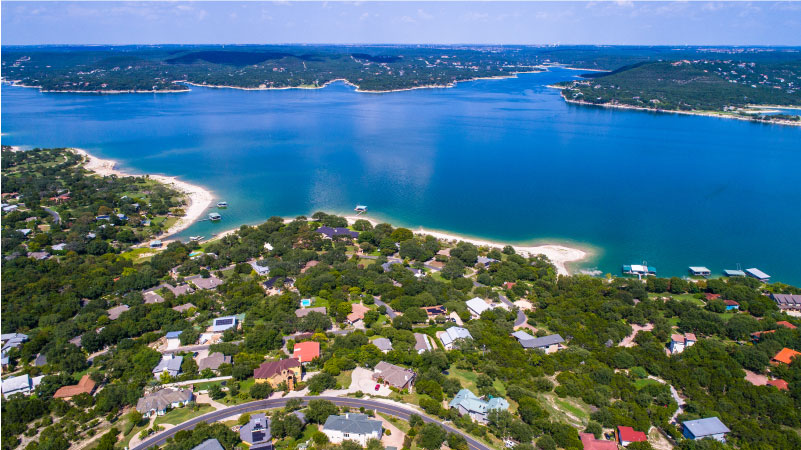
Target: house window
(347, 435)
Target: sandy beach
(559, 255)
(198, 198)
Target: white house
(353, 427)
(679, 342)
(173, 339)
(453, 334)
(476, 306)
(158, 402)
(170, 364)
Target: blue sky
(600, 22)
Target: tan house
(357, 313)
(276, 372)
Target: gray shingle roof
(540, 342)
(353, 423)
(209, 444)
(163, 398)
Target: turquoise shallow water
(500, 159)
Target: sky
(396, 22)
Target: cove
(506, 160)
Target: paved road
(390, 312)
(521, 316)
(56, 217)
(395, 410)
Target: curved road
(386, 408)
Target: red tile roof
(712, 296)
(590, 443)
(780, 384)
(731, 303)
(786, 324)
(629, 435)
(786, 355)
(306, 351)
(85, 386)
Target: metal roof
(705, 427)
(544, 341)
(478, 305)
(756, 273)
(454, 333)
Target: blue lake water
(499, 159)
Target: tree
(595, 428)
(321, 382)
(401, 234)
(457, 442)
(319, 410)
(216, 392)
(546, 443)
(260, 390)
(431, 436)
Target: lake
(506, 160)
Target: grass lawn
(681, 297)
(469, 379)
(181, 415)
(290, 443)
(641, 383)
(569, 410)
(136, 253)
(344, 378)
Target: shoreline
(559, 255)
(669, 111)
(198, 198)
(537, 69)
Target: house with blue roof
(465, 402)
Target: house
(213, 361)
(590, 443)
(183, 308)
(700, 271)
(207, 283)
(731, 305)
(435, 311)
(756, 336)
(209, 444)
(465, 402)
(421, 343)
(40, 361)
(453, 334)
(485, 262)
(17, 385)
(171, 364)
(58, 247)
(549, 344)
(152, 297)
(261, 270)
(476, 306)
(155, 243)
(357, 313)
(627, 435)
(393, 375)
(25, 231)
(785, 356)
(330, 232)
(758, 274)
(280, 371)
(115, 312)
(85, 386)
(173, 339)
(180, 289)
(303, 312)
(221, 324)
(352, 427)
(39, 256)
(383, 344)
(709, 296)
(779, 384)
(12, 340)
(679, 342)
(787, 301)
(256, 433)
(158, 402)
(306, 351)
(710, 427)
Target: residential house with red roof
(627, 435)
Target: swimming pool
(306, 302)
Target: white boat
(195, 238)
(222, 204)
(214, 217)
